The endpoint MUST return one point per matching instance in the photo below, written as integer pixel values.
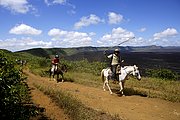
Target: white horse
(125, 71)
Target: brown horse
(60, 70)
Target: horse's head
(136, 72)
(64, 68)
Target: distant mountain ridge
(47, 52)
(145, 57)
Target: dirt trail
(52, 111)
(128, 108)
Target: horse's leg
(104, 84)
(121, 87)
(104, 81)
(53, 77)
(62, 77)
(57, 77)
(50, 75)
(107, 83)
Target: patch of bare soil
(51, 110)
(132, 107)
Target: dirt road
(128, 108)
(52, 111)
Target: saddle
(118, 69)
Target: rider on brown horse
(55, 63)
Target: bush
(85, 66)
(14, 92)
(162, 74)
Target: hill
(47, 52)
(147, 57)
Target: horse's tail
(102, 75)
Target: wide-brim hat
(116, 50)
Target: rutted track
(52, 111)
(129, 107)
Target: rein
(125, 70)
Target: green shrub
(14, 92)
(85, 66)
(162, 74)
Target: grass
(83, 78)
(83, 72)
(73, 107)
(153, 87)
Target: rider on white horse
(54, 63)
(115, 63)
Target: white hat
(116, 50)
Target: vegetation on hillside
(164, 74)
(160, 83)
(15, 99)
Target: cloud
(16, 6)
(59, 2)
(142, 29)
(117, 36)
(71, 12)
(63, 38)
(88, 20)
(15, 44)
(169, 32)
(62, 2)
(24, 29)
(51, 2)
(114, 18)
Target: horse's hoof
(123, 95)
(111, 93)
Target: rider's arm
(110, 56)
(52, 61)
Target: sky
(26, 24)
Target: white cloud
(114, 18)
(63, 38)
(88, 20)
(71, 12)
(15, 44)
(62, 2)
(117, 36)
(24, 29)
(51, 2)
(169, 32)
(17, 6)
(59, 1)
(142, 29)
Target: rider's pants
(54, 67)
(113, 69)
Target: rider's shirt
(55, 61)
(115, 59)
